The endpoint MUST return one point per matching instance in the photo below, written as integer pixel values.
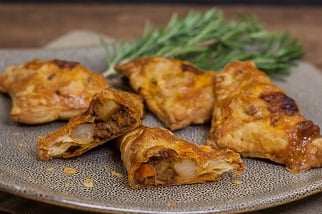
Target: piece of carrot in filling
(145, 171)
(165, 171)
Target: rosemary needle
(210, 42)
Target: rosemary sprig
(210, 42)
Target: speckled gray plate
(264, 184)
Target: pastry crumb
(119, 175)
(236, 181)
(171, 204)
(50, 169)
(69, 170)
(107, 169)
(66, 185)
(230, 201)
(88, 182)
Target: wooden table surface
(34, 25)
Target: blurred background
(35, 24)
(260, 2)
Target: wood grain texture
(34, 25)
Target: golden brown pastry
(155, 157)
(110, 114)
(257, 119)
(177, 92)
(43, 91)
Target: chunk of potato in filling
(104, 125)
(83, 134)
(104, 110)
(165, 168)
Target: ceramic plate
(264, 184)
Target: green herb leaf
(210, 42)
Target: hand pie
(155, 157)
(44, 91)
(110, 114)
(257, 119)
(177, 92)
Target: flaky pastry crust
(257, 119)
(110, 114)
(155, 157)
(177, 92)
(44, 91)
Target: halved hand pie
(111, 114)
(156, 157)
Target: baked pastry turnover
(176, 92)
(44, 91)
(257, 119)
(155, 157)
(110, 114)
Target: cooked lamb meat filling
(106, 125)
(165, 169)
(119, 120)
